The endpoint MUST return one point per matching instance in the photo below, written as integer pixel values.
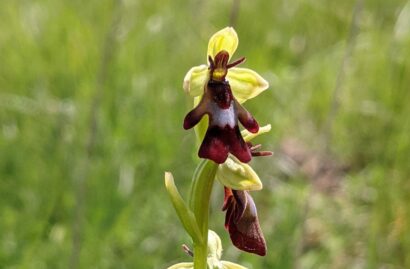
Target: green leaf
(186, 216)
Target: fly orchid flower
(242, 222)
(221, 88)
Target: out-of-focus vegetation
(91, 109)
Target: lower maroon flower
(242, 222)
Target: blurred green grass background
(91, 109)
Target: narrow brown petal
(237, 62)
(262, 153)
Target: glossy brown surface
(242, 222)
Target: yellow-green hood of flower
(245, 83)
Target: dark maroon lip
(242, 222)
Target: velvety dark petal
(242, 222)
(220, 93)
(229, 215)
(241, 201)
(218, 142)
(246, 119)
(214, 146)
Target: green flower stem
(200, 195)
(200, 256)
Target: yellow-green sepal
(225, 39)
(246, 83)
(195, 80)
(238, 176)
(248, 136)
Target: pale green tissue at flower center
(238, 176)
